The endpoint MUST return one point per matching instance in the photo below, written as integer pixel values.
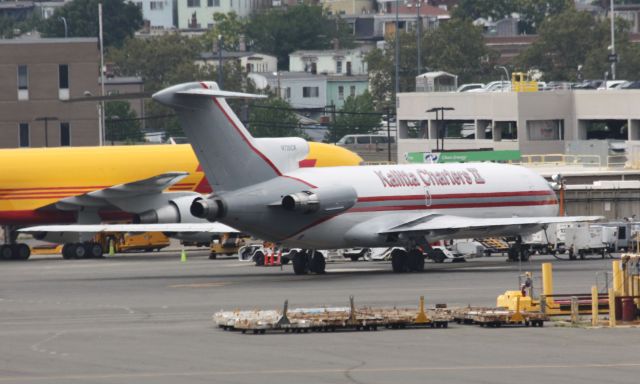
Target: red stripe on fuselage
(452, 206)
(455, 196)
(300, 180)
(90, 188)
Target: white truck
(582, 239)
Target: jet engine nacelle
(175, 211)
(327, 199)
(208, 209)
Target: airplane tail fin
(230, 157)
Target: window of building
(24, 135)
(545, 130)
(159, 5)
(352, 91)
(193, 3)
(340, 92)
(65, 135)
(63, 76)
(308, 92)
(23, 82)
(231, 3)
(339, 66)
(287, 93)
(213, 3)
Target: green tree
(120, 20)
(457, 47)
(229, 27)
(356, 116)
(571, 39)
(121, 122)
(11, 27)
(273, 117)
(280, 31)
(531, 12)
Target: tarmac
(146, 318)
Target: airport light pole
(220, 61)
(66, 30)
(46, 120)
(440, 133)
(506, 72)
(397, 57)
(614, 57)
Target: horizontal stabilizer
(168, 227)
(218, 93)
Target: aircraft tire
(300, 263)
(259, 259)
(80, 251)
(5, 252)
(415, 260)
(95, 250)
(21, 252)
(524, 254)
(317, 263)
(66, 254)
(399, 261)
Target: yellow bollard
(547, 284)
(617, 278)
(612, 308)
(421, 318)
(594, 306)
(112, 249)
(183, 256)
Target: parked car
(468, 87)
(630, 85)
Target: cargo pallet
(497, 317)
(305, 320)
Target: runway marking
(246, 372)
(213, 284)
(37, 347)
(356, 269)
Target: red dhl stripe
(35, 197)
(456, 196)
(90, 188)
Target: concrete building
(158, 13)
(198, 14)
(601, 124)
(249, 61)
(349, 7)
(339, 88)
(37, 75)
(301, 90)
(335, 62)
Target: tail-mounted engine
(210, 209)
(327, 199)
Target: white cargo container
(582, 239)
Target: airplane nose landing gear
(403, 261)
(308, 261)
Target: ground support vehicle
(331, 319)
(119, 242)
(228, 244)
(583, 239)
(497, 317)
(493, 245)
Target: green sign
(463, 157)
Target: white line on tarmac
(312, 371)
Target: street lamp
(614, 58)
(220, 62)
(440, 133)
(46, 120)
(64, 20)
(506, 72)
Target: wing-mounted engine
(176, 210)
(332, 199)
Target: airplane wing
(169, 227)
(102, 197)
(449, 226)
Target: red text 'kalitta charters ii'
(403, 178)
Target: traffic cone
(183, 256)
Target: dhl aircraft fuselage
(32, 180)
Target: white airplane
(261, 191)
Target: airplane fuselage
(386, 196)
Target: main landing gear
(18, 251)
(407, 261)
(13, 250)
(308, 261)
(86, 250)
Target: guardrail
(561, 159)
